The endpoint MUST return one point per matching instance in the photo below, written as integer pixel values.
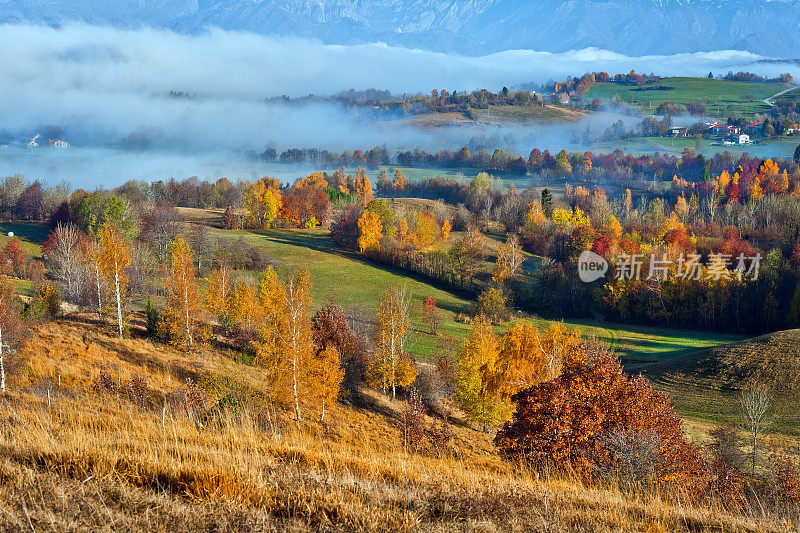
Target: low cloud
(101, 84)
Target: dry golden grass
(87, 460)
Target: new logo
(591, 266)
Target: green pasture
(722, 97)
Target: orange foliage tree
(565, 422)
(363, 187)
(219, 295)
(370, 231)
(183, 299)
(400, 181)
(14, 258)
(306, 203)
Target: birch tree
(183, 299)
(394, 326)
(113, 259)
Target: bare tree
(64, 260)
(159, 229)
(755, 401)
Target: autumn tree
(230, 219)
(586, 166)
(755, 402)
(363, 187)
(565, 422)
(370, 231)
(183, 299)
(290, 358)
(306, 203)
(446, 227)
(326, 374)
(113, 259)
(90, 252)
(64, 258)
(219, 295)
(477, 358)
(399, 182)
(391, 368)
(159, 228)
(467, 255)
(245, 309)
(263, 202)
(14, 258)
(13, 330)
(430, 314)
(563, 166)
(509, 259)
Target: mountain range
(630, 27)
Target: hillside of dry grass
(772, 360)
(79, 451)
(707, 383)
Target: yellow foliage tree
(245, 308)
(113, 259)
(290, 358)
(477, 359)
(520, 363)
(183, 299)
(402, 231)
(326, 374)
(263, 202)
(681, 208)
(370, 231)
(219, 295)
(446, 227)
(535, 216)
(391, 368)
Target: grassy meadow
(722, 97)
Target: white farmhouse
(742, 138)
(60, 143)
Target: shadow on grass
(33, 232)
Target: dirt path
(768, 100)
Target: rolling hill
(706, 383)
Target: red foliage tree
(430, 314)
(304, 201)
(14, 258)
(566, 421)
(230, 220)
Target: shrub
(787, 480)
(591, 416)
(104, 382)
(137, 389)
(411, 423)
(151, 319)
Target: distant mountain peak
(638, 27)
